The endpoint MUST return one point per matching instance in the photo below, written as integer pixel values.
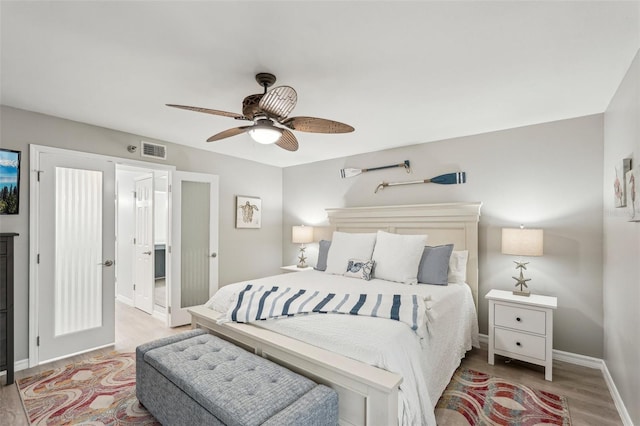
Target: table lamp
(302, 235)
(522, 242)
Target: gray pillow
(323, 251)
(434, 265)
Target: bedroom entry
(72, 268)
(74, 208)
(142, 230)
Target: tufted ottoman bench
(195, 378)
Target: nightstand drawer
(520, 343)
(518, 318)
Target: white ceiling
(401, 73)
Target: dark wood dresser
(6, 304)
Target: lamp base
(302, 258)
(525, 293)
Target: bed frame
(367, 395)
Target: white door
(194, 243)
(143, 282)
(76, 249)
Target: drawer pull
(518, 344)
(518, 319)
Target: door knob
(214, 254)
(107, 263)
(146, 252)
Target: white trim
(34, 165)
(578, 359)
(118, 160)
(617, 399)
(589, 362)
(162, 316)
(483, 338)
(22, 364)
(17, 366)
(124, 299)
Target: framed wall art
(633, 193)
(9, 181)
(619, 184)
(248, 212)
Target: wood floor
(589, 400)
(590, 403)
(133, 327)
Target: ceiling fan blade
(229, 132)
(279, 102)
(316, 125)
(287, 141)
(210, 111)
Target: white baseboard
(124, 299)
(577, 359)
(483, 338)
(617, 399)
(589, 362)
(162, 316)
(22, 364)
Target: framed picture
(619, 184)
(9, 181)
(248, 212)
(633, 194)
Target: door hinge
(38, 259)
(169, 249)
(135, 194)
(38, 172)
(38, 341)
(169, 309)
(169, 188)
(134, 287)
(134, 241)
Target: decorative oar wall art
(347, 173)
(446, 179)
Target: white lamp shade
(302, 234)
(522, 242)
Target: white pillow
(345, 246)
(458, 266)
(398, 256)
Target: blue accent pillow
(434, 265)
(323, 251)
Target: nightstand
(294, 268)
(521, 327)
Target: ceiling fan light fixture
(265, 132)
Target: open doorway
(142, 223)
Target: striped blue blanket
(260, 303)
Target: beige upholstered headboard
(455, 223)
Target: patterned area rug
(98, 391)
(474, 398)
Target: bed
(384, 372)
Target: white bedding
(426, 366)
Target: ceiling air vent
(153, 150)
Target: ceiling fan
(265, 108)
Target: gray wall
(622, 246)
(547, 175)
(244, 253)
